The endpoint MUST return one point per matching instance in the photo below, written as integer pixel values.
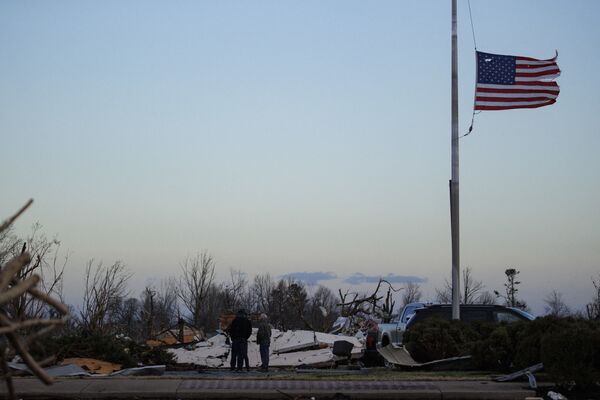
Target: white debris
(293, 341)
(288, 349)
(316, 358)
(329, 339)
(556, 396)
(208, 353)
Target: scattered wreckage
(82, 367)
(288, 349)
(189, 347)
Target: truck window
(409, 311)
(475, 315)
(505, 316)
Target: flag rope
(475, 46)
(472, 28)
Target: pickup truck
(393, 331)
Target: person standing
(263, 338)
(239, 331)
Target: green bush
(572, 355)
(493, 351)
(498, 345)
(529, 338)
(109, 348)
(568, 347)
(491, 345)
(435, 339)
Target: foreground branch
(18, 330)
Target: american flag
(507, 82)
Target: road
(251, 388)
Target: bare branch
(12, 219)
(18, 289)
(11, 269)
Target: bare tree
(9, 245)
(198, 276)
(471, 292)
(105, 289)
(235, 290)
(471, 287)
(147, 312)
(412, 293)
(387, 306)
(46, 261)
(18, 333)
(511, 290)
(166, 306)
(261, 290)
(128, 317)
(352, 304)
(592, 309)
(555, 305)
(487, 297)
(322, 313)
(159, 309)
(213, 307)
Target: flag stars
(496, 69)
(497, 89)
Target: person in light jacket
(263, 338)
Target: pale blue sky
(305, 136)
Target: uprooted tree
(354, 304)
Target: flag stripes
(508, 82)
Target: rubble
(149, 370)
(173, 336)
(71, 368)
(288, 349)
(92, 365)
(54, 371)
(401, 357)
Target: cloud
(358, 278)
(312, 278)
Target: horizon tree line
(198, 298)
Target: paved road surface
(178, 388)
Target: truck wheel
(385, 341)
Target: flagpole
(454, 209)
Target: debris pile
(89, 367)
(185, 334)
(288, 349)
(92, 365)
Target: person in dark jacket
(263, 338)
(239, 331)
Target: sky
(300, 137)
